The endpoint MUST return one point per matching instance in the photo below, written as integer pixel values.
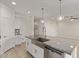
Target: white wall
(8, 22)
(25, 23)
(69, 29)
(51, 27)
(64, 28)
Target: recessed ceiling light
(71, 46)
(13, 3)
(28, 12)
(42, 21)
(72, 20)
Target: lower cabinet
(29, 46)
(18, 39)
(67, 55)
(37, 51)
(34, 50)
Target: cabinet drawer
(38, 52)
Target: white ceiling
(69, 7)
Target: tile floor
(17, 52)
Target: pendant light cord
(42, 12)
(60, 7)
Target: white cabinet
(67, 55)
(18, 39)
(34, 50)
(29, 45)
(74, 53)
(38, 52)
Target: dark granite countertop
(63, 44)
(34, 41)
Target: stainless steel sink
(42, 39)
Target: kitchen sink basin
(42, 39)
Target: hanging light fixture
(60, 16)
(42, 21)
(13, 3)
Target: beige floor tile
(17, 52)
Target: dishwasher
(51, 52)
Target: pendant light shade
(60, 18)
(60, 11)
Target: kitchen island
(63, 44)
(58, 45)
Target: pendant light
(42, 21)
(60, 11)
(13, 3)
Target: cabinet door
(28, 42)
(29, 47)
(38, 52)
(67, 55)
(34, 50)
